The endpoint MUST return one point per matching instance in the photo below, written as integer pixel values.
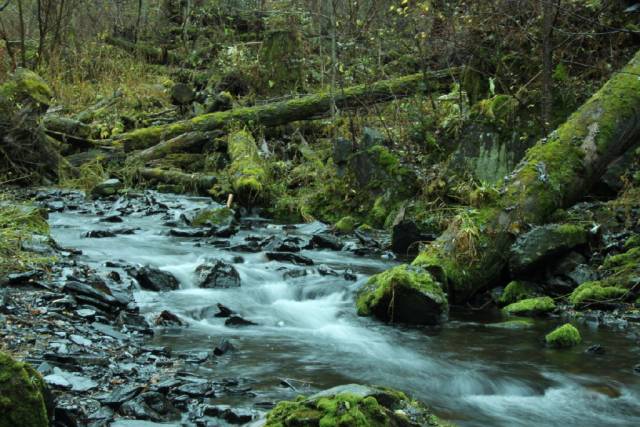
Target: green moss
(564, 336)
(247, 172)
(530, 306)
(516, 291)
(513, 324)
(630, 258)
(381, 407)
(22, 391)
(219, 216)
(595, 292)
(25, 85)
(500, 109)
(381, 295)
(632, 242)
(19, 223)
(346, 225)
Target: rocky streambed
(153, 316)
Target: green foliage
(21, 395)
(564, 336)
(18, 224)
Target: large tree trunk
(153, 55)
(190, 142)
(278, 113)
(555, 173)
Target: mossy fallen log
(190, 142)
(246, 170)
(185, 182)
(558, 171)
(59, 125)
(279, 113)
(153, 55)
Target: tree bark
(555, 173)
(196, 182)
(153, 55)
(190, 142)
(279, 113)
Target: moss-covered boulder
(541, 243)
(403, 294)
(22, 395)
(353, 405)
(516, 291)
(346, 225)
(564, 336)
(596, 293)
(219, 217)
(530, 307)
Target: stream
(308, 334)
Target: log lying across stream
(279, 113)
(555, 173)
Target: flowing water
(309, 335)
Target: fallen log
(557, 172)
(247, 171)
(153, 55)
(190, 142)
(195, 182)
(66, 126)
(90, 113)
(279, 113)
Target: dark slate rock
(217, 274)
(325, 241)
(154, 279)
(223, 347)
(167, 318)
(405, 237)
(289, 257)
(120, 395)
(223, 311)
(238, 321)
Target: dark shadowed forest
(319, 213)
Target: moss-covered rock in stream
(564, 336)
(530, 307)
(403, 294)
(346, 225)
(596, 293)
(219, 217)
(353, 405)
(22, 395)
(516, 291)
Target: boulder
(219, 217)
(22, 395)
(353, 405)
(154, 279)
(182, 94)
(563, 337)
(107, 188)
(516, 291)
(289, 257)
(541, 243)
(217, 274)
(403, 294)
(405, 237)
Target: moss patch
(219, 216)
(346, 225)
(353, 406)
(21, 395)
(530, 307)
(516, 291)
(564, 336)
(596, 292)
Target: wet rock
(405, 237)
(112, 219)
(238, 321)
(582, 273)
(217, 274)
(223, 347)
(325, 241)
(251, 247)
(154, 279)
(68, 380)
(230, 415)
(120, 395)
(189, 233)
(223, 311)
(197, 389)
(226, 232)
(544, 242)
(152, 406)
(107, 188)
(91, 295)
(167, 318)
(289, 257)
(369, 405)
(99, 234)
(86, 313)
(133, 322)
(596, 349)
(403, 294)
